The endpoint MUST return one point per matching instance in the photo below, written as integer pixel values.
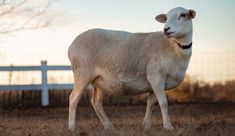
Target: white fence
(44, 86)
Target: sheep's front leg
(148, 115)
(158, 86)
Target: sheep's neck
(186, 40)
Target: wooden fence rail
(44, 86)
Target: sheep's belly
(123, 87)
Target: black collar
(184, 46)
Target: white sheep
(123, 63)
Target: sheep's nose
(166, 29)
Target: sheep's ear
(191, 13)
(161, 18)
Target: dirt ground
(187, 119)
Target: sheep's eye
(183, 15)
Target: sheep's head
(178, 22)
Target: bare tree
(17, 15)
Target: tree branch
(18, 15)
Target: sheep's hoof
(72, 129)
(109, 127)
(168, 127)
(147, 125)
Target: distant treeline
(200, 91)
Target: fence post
(45, 93)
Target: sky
(213, 36)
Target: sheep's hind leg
(148, 115)
(81, 82)
(96, 102)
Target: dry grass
(188, 119)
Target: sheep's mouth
(168, 33)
